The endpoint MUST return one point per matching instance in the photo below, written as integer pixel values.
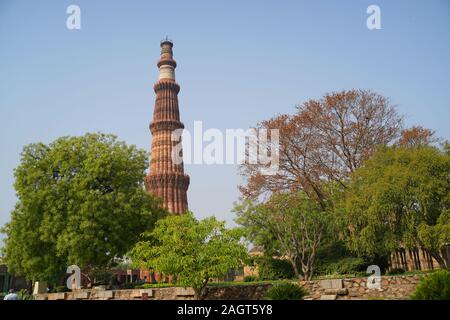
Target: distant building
(252, 270)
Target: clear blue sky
(239, 62)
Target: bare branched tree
(324, 141)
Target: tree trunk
(440, 260)
(200, 293)
(197, 293)
(307, 273)
(295, 268)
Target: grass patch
(156, 285)
(242, 283)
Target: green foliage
(250, 278)
(238, 283)
(60, 289)
(24, 295)
(334, 258)
(286, 291)
(130, 285)
(81, 201)
(100, 276)
(396, 271)
(273, 269)
(332, 251)
(190, 250)
(155, 285)
(121, 265)
(396, 200)
(434, 237)
(289, 225)
(435, 286)
(345, 266)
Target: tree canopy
(289, 225)
(191, 251)
(80, 201)
(400, 198)
(351, 144)
(324, 142)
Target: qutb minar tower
(166, 178)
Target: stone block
(80, 295)
(40, 287)
(105, 295)
(101, 287)
(184, 292)
(149, 292)
(331, 284)
(339, 292)
(57, 296)
(328, 297)
(41, 297)
(136, 293)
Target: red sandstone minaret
(166, 178)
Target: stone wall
(392, 287)
(240, 292)
(172, 293)
(237, 292)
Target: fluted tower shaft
(166, 178)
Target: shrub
(250, 278)
(24, 295)
(286, 291)
(335, 258)
(396, 271)
(131, 285)
(345, 266)
(61, 289)
(435, 286)
(155, 285)
(274, 269)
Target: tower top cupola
(166, 63)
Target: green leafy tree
(291, 225)
(190, 251)
(400, 198)
(435, 286)
(435, 237)
(81, 201)
(270, 268)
